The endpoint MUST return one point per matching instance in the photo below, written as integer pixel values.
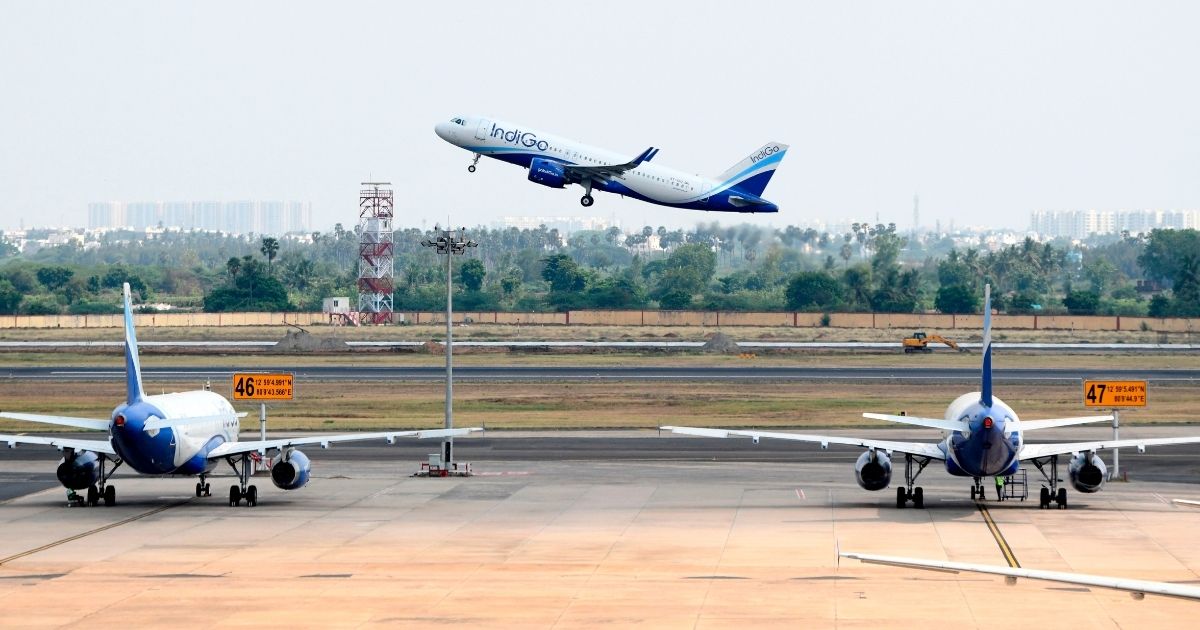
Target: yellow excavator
(919, 342)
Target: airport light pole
(450, 243)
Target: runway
(581, 373)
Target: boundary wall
(914, 321)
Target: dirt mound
(721, 343)
(433, 347)
(303, 341)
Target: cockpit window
(458, 121)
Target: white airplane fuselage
(737, 191)
(990, 445)
(182, 449)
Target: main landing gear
(104, 491)
(471, 168)
(242, 490)
(586, 201)
(1053, 494)
(909, 493)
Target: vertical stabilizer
(985, 391)
(133, 367)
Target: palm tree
(270, 247)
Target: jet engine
(291, 471)
(873, 470)
(1087, 472)
(80, 471)
(547, 173)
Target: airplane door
(484, 129)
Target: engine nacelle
(1087, 472)
(873, 471)
(291, 471)
(547, 173)
(80, 472)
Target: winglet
(133, 367)
(645, 156)
(985, 391)
(653, 154)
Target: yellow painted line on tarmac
(1009, 556)
(68, 539)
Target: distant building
(235, 217)
(1079, 224)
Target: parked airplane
(983, 437)
(1136, 588)
(185, 433)
(556, 162)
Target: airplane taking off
(185, 433)
(556, 162)
(983, 437)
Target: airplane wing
(236, 448)
(914, 448)
(1032, 451)
(1034, 425)
(1136, 588)
(577, 172)
(98, 446)
(66, 421)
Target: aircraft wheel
(110, 495)
(199, 489)
(235, 495)
(251, 496)
(1044, 499)
(587, 201)
(918, 498)
(471, 168)
(1061, 499)
(207, 489)
(901, 498)
(93, 495)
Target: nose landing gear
(471, 168)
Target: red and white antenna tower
(375, 251)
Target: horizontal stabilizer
(154, 424)
(932, 423)
(1034, 425)
(66, 421)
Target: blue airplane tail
(752, 174)
(133, 366)
(985, 390)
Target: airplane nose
(442, 129)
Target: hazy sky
(987, 110)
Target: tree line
(712, 267)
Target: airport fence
(901, 321)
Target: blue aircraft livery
(558, 162)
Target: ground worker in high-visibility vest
(999, 488)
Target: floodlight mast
(449, 243)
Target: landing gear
(243, 490)
(977, 491)
(203, 489)
(471, 168)
(103, 490)
(908, 492)
(1052, 494)
(586, 201)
